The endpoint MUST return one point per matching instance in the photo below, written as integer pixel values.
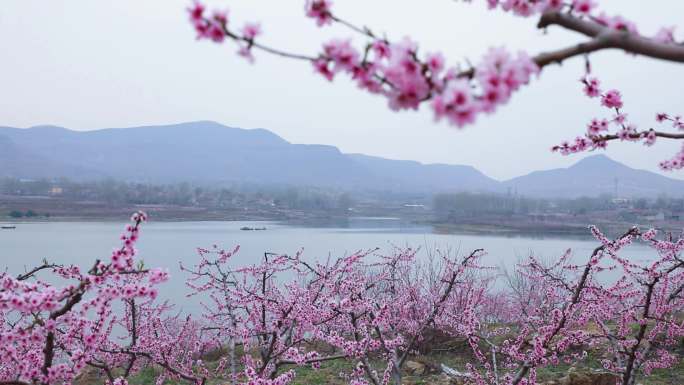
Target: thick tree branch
(612, 38)
(558, 56)
(639, 135)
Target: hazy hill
(18, 161)
(210, 152)
(407, 175)
(195, 152)
(595, 175)
(207, 152)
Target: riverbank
(31, 209)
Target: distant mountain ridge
(599, 174)
(209, 152)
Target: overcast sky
(94, 64)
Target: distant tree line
(181, 194)
(472, 205)
(26, 214)
(469, 205)
(445, 206)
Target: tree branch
(30, 274)
(638, 135)
(613, 38)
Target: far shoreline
(478, 229)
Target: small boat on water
(8, 227)
(252, 228)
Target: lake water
(165, 244)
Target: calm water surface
(166, 244)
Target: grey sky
(92, 64)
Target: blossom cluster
(50, 333)
(358, 308)
(407, 78)
(579, 8)
(601, 131)
(527, 8)
(215, 27)
(396, 70)
(371, 310)
(562, 304)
